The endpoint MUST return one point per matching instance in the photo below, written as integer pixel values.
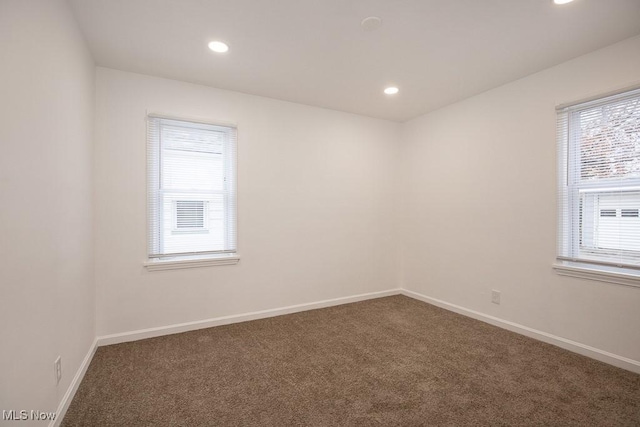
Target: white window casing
(599, 188)
(192, 213)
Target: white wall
(479, 206)
(46, 273)
(315, 206)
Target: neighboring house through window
(599, 183)
(190, 215)
(191, 196)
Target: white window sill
(191, 263)
(591, 273)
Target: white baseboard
(237, 318)
(192, 326)
(576, 347)
(73, 387)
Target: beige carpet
(390, 362)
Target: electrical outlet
(495, 296)
(57, 366)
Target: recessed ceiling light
(392, 90)
(562, 1)
(371, 23)
(218, 47)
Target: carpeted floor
(391, 362)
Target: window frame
(154, 190)
(572, 187)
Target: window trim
(206, 260)
(584, 271)
(178, 264)
(584, 268)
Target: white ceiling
(315, 52)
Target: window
(599, 184)
(191, 195)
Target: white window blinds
(191, 189)
(599, 182)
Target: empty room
(320, 213)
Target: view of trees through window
(610, 141)
(607, 176)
